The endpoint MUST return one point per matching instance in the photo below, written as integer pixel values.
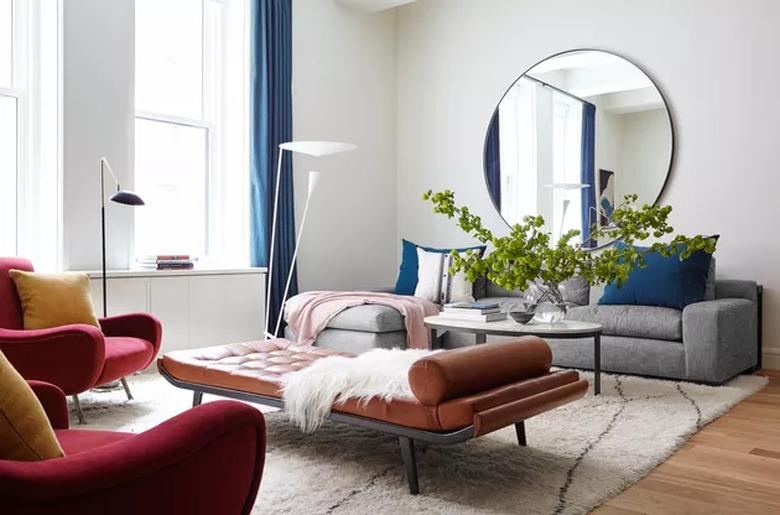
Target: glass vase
(547, 301)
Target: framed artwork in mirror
(561, 131)
(606, 203)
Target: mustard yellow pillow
(25, 431)
(52, 300)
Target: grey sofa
(709, 341)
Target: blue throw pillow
(407, 273)
(665, 281)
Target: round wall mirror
(572, 136)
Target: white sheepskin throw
(384, 373)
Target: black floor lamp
(124, 197)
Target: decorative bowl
(521, 317)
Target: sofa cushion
(668, 281)
(709, 292)
(652, 322)
(371, 318)
(407, 272)
(354, 342)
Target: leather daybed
(460, 394)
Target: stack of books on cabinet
(474, 311)
(167, 262)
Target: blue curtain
(588, 172)
(270, 125)
(493, 161)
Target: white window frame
(217, 195)
(44, 248)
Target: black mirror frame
(616, 54)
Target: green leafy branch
(527, 254)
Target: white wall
(456, 58)
(344, 90)
(98, 90)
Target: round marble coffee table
(565, 329)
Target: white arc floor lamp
(311, 148)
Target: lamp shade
(317, 148)
(128, 198)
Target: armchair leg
(520, 430)
(127, 389)
(410, 463)
(79, 413)
(197, 398)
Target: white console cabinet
(197, 308)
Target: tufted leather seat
(458, 388)
(255, 367)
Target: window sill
(197, 271)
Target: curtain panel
(271, 125)
(493, 161)
(588, 172)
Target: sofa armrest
(206, 460)
(53, 401)
(70, 356)
(720, 338)
(137, 325)
(736, 289)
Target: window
(567, 135)
(191, 129)
(519, 161)
(29, 131)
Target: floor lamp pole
(313, 177)
(103, 235)
(273, 245)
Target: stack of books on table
(167, 262)
(475, 311)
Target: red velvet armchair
(207, 460)
(74, 357)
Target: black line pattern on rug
(371, 482)
(617, 402)
(693, 403)
(570, 474)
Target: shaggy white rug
(309, 393)
(577, 457)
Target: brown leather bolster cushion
(468, 370)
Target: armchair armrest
(206, 460)
(69, 356)
(53, 401)
(720, 338)
(137, 325)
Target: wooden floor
(730, 466)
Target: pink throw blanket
(309, 313)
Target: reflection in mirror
(574, 135)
